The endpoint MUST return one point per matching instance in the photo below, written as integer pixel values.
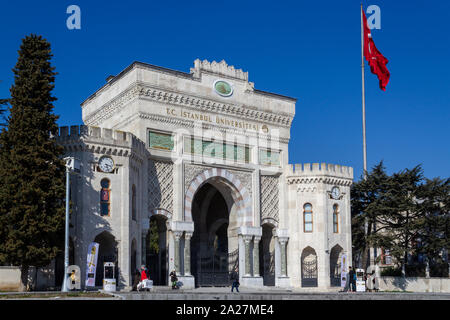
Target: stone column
(187, 253)
(177, 235)
(247, 240)
(256, 240)
(283, 242)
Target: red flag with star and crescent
(376, 60)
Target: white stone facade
(171, 135)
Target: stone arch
(155, 257)
(309, 267)
(335, 265)
(107, 252)
(160, 212)
(239, 193)
(267, 251)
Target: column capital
(257, 239)
(247, 238)
(177, 234)
(283, 240)
(188, 235)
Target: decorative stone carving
(191, 171)
(160, 186)
(269, 197)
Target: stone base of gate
(188, 282)
(282, 282)
(251, 282)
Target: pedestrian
(235, 280)
(347, 282)
(174, 279)
(143, 278)
(137, 279)
(352, 279)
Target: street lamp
(72, 164)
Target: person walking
(143, 278)
(173, 279)
(352, 279)
(235, 280)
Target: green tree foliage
(434, 225)
(32, 187)
(153, 237)
(403, 212)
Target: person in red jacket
(143, 273)
(143, 277)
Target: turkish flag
(377, 61)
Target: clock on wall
(106, 164)
(335, 193)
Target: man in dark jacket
(235, 280)
(352, 279)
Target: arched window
(307, 218)
(133, 202)
(105, 198)
(335, 218)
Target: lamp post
(72, 164)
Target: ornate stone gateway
(211, 257)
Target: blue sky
(309, 50)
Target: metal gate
(309, 273)
(269, 269)
(214, 271)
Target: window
(336, 218)
(307, 218)
(105, 198)
(133, 202)
(385, 256)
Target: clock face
(335, 193)
(106, 164)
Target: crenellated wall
(308, 169)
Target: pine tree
(367, 208)
(32, 187)
(434, 226)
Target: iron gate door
(309, 273)
(214, 271)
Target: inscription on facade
(214, 119)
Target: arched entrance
(107, 252)
(214, 243)
(156, 250)
(335, 266)
(309, 267)
(267, 255)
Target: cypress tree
(32, 185)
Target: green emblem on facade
(161, 141)
(269, 158)
(218, 150)
(223, 88)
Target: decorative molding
(191, 171)
(160, 185)
(269, 197)
(177, 122)
(180, 99)
(239, 192)
(324, 180)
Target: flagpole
(363, 97)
